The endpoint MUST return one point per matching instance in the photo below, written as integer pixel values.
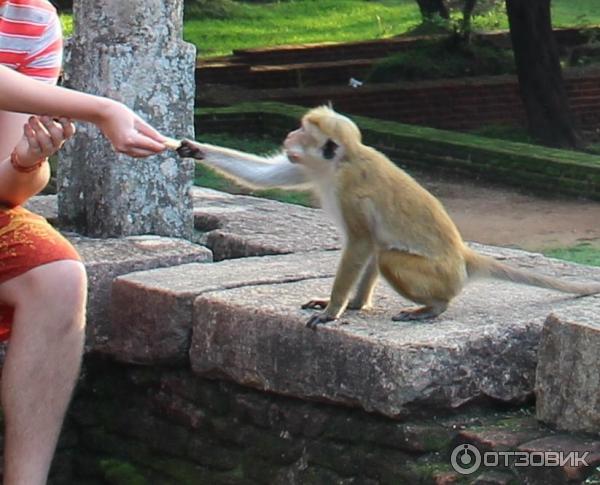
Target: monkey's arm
(250, 170)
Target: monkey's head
(325, 138)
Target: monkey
(392, 226)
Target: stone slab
(152, 310)
(568, 372)
(484, 347)
(237, 226)
(105, 259)
(575, 470)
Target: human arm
(127, 132)
(28, 172)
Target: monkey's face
(309, 146)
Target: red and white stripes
(31, 38)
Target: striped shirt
(31, 38)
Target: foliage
(448, 58)
(67, 23)
(211, 9)
(582, 253)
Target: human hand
(128, 133)
(42, 137)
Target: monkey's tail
(480, 266)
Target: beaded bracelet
(14, 161)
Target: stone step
(567, 382)
(105, 259)
(236, 226)
(152, 311)
(242, 320)
(282, 76)
(376, 48)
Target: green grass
(67, 23)
(245, 25)
(302, 21)
(583, 254)
(306, 21)
(205, 177)
(505, 132)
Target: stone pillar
(131, 51)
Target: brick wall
(462, 104)
(530, 167)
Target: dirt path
(505, 217)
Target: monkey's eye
(329, 149)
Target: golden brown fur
(393, 226)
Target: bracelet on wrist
(16, 164)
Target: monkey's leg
(433, 283)
(355, 256)
(364, 293)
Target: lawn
(583, 254)
(305, 21)
(246, 25)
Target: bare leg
(42, 365)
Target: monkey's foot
(417, 313)
(316, 303)
(319, 319)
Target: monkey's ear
(329, 149)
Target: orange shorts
(26, 242)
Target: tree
(431, 8)
(540, 75)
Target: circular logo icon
(465, 459)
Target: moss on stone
(117, 472)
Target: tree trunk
(429, 8)
(540, 76)
(467, 13)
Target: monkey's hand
(319, 318)
(190, 149)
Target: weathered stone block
(152, 310)
(568, 371)
(237, 226)
(574, 471)
(483, 347)
(105, 259)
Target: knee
(61, 285)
